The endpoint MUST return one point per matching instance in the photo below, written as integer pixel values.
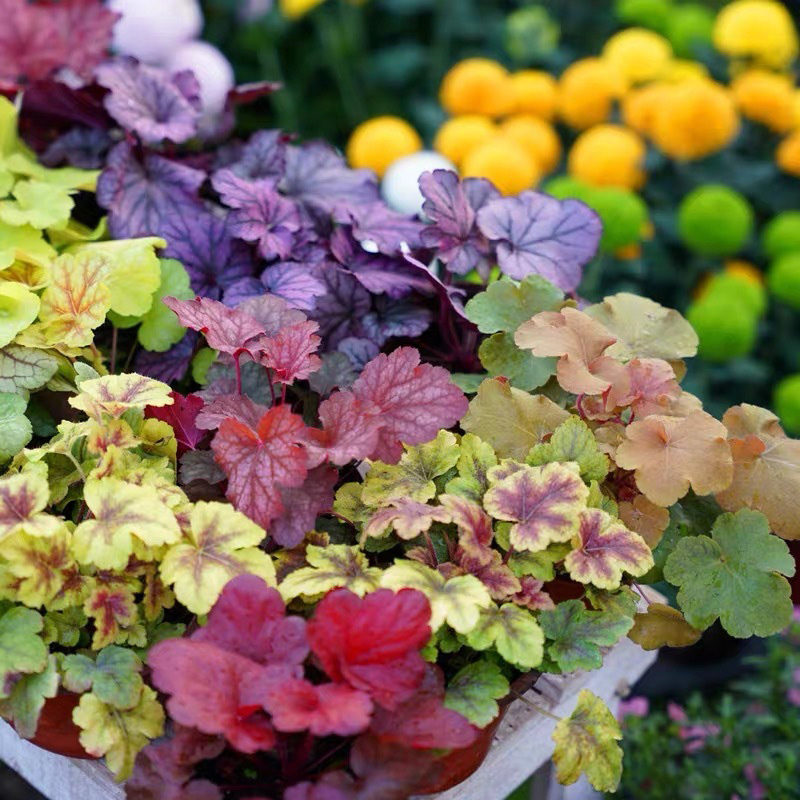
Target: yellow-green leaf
(512, 631)
(662, 626)
(331, 567)
(116, 394)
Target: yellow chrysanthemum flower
(379, 142)
(765, 97)
(535, 92)
(459, 136)
(608, 155)
(639, 106)
(695, 119)
(294, 9)
(477, 86)
(538, 137)
(639, 55)
(682, 69)
(787, 155)
(587, 91)
(505, 163)
(746, 271)
(796, 108)
(761, 30)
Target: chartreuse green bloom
(783, 278)
(787, 403)
(781, 234)
(652, 14)
(726, 329)
(737, 289)
(689, 26)
(715, 220)
(19, 307)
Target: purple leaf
(242, 290)
(359, 352)
(296, 283)
(340, 310)
(234, 190)
(395, 318)
(142, 196)
(151, 102)
(451, 296)
(452, 205)
(302, 506)
(170, 366)
(85, 148)
(267, 219)
(536, 233)
(199, 465)
(203, 243)
(317, 176)
(264, 156)
(376, 223)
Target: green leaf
(24, 705)
(736, 574)
(24, 244)
(586, 742)
(114, 677)
(160, 328)
(15, 428)
(21, 648)
(475, 459)
(331, 567)
(24, 369)
(413, 476)
(573, 441)
(576, 635)
(598, 499)
(501, 357)
(64, 627)
(512, 631)
(468, 382)
(504, 306)
(474, 690)
(38, 204)
(623, 602)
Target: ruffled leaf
(474, 690)
(512, 631)
(332, 567)
(572, 441)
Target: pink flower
(757, 789)
(793, 696)
(633, 707)
(676, 712)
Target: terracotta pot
(56, 731)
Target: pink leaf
(290, 352)
(350, 430)
(230, 406)
(475, 532)
(302, 505)
(182, 416)
(271, 312)
(531, 595)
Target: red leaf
(182, 416)
(350, 429)
(230, 406)
(297, 705)
(289, 353)
(226, 329)
(415, 400)
(373, 643)
(531, 595)
(250, 619)
(260, 462)
(422, 721)
(211, 688)
(302, 506)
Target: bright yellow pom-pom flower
(477, 86)
(535, 92)
(296, 8)
(639, 55)
(459, 136)
(587, 91)
(761, 30)
(639, 107)
(765, 97)
(682, 69)
(694, 120)
(608, 155)
(538, 137)
(505, 163)
(787, 155)
(379, 142)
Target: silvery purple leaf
(451, 296)
(264, 156)
(392, 318)
(359, 351)
(170, 366)
(234, 190)
(242, 290)
(203, 243)
(452, 205)
(272, 312)
(149, 101)
(376, 223)
(318, 177)
(85, 148)
(296, 283)
(535, 233)
(199, 465)
(302, 506)
(340, 310)
(141, 196)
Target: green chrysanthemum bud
(727, 287)
(624, 215)
(783, 279)
(652, 14)
(781, 234)
(19, 307)
(787, 403)
(531, 34)
(715, 221)
(688, 26)
(726, 329)
(564, 186)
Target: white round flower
(400, 186)
(151, 30)
(213, 71)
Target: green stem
(270, 63)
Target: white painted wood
(522, 744)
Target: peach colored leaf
(604, 549)
(662, 626)
(670, 454)
(645, 518)
(766, 469)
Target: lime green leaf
(118, 735)
(64, 627)
(350, 505)
(510, 420)
(116, 394)
(331, 567)
(586, 742)
(23, 162)
(22, 650)
(38, 204)
(474, 690)
(23, 498)
(623, 602)
(573, 441)
(15, 428)
(160, 328)
(134, 272)
(736, 574)
(501, 357)
(114, 676)
(599, 499)
(662, 626)
(504, 306)
(539, 565)
(19, 307)
(24, 244)
(413, 476)
(24, 369)
(24, 705)
(475, 459)
(512, 631)
(75, 231)
(457, 601)
(576, 635)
